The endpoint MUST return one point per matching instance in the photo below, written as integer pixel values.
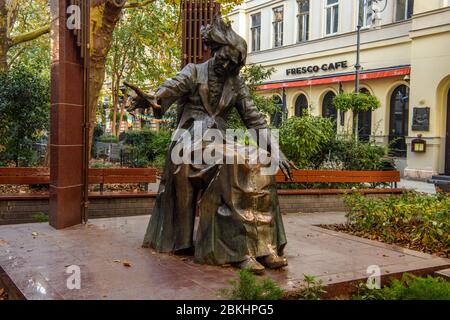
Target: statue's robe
(237, 206)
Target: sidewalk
(35, 258)
(419, 186)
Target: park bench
(34, 176)
(341, 176)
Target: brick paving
(35, 257)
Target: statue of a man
(239, 218)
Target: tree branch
(18, 53)
(29, 36)
(138, 4)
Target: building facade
(404, 57)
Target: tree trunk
(355, 125)
(104, 18)
(4, 40)
(114, 120)
(122, 112)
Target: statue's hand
(140, 99)
(286, 167)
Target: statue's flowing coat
(238, 207)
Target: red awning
(345, 78)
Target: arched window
(398, 122)
(301, 104)
(364, 121)
(277, 117)
(328, 109)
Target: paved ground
(35, 257)
(419, 186)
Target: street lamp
(376, 24)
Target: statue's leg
(185, 209)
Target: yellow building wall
(427, 5)
(430, 81)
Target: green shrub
(409, 287)
(108, 139)
(313, 288)
(350, 154)
(306, 140)
(144, 148)
(311, 143)
(102, 165)
(40, 217)
(420, 221)
(24, 114)
(248, 288)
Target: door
(398, 122)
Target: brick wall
(22, 211)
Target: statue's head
(227, 47)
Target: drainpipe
(86, 139)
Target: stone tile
(37, 264)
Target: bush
(416, 220)
(108, 139)
(102, 165)
(248, 288)
(146, 147)
(311, 143)
(24, 114)
(40, 217)
(350, 154)
(409, 287)
(306, 140)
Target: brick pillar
(66, 129)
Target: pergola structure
(69, 86)
(69, 137)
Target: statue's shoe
(273, 261)
(185, 252)
(251, 265)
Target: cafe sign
(316, 68)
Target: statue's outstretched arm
(168, 93)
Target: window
(303, 20)
(301, 105)
(277, 118)
(365, 13)
(332, 16)
(404, 9)
(328, 109)
(256, 32)
(278, 27)
(398, 122)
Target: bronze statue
(239, 218)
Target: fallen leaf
(126, 263)
(117, 261)
(3, 242)
(34, 234)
